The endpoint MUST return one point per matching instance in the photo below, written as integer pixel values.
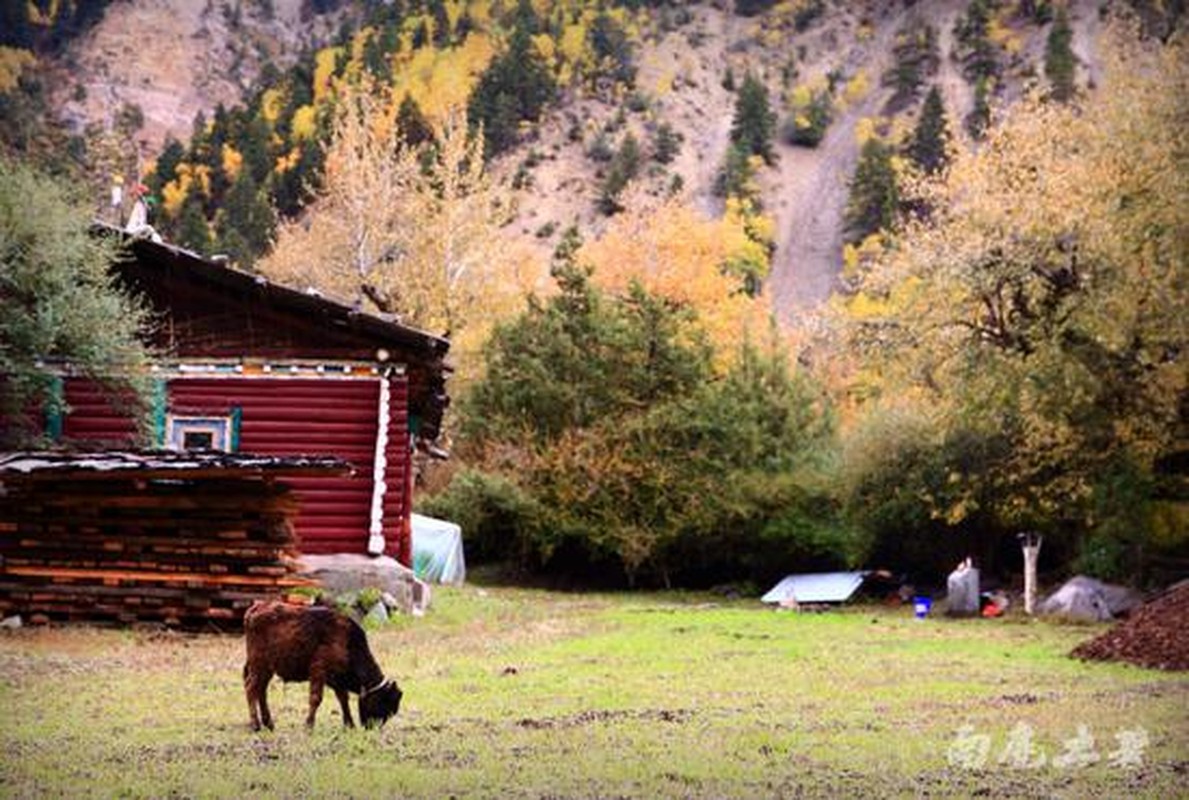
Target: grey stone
(349, 572)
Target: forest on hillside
(1004, 349)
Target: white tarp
(1085, 598)
(822, 587)
(437, 550)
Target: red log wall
(290, 416)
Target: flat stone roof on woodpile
(162, 464)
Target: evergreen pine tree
(1060, 64)
(979, 118)
(253, 144)
(755, 123)
(244, 226)
(734, 179)
(612, 48)
(931, 136)
(465, 24)
(979, 54)
(515, 87)
(375, 60)
(441, 22)
(192, 230)
(624, 167)
(666, 144)
(414, 128)
(420, 35)
(874, 196)
(167, 165)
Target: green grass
(515, 693)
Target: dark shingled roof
(313, 305)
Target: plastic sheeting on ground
(822, 587)
(437, 550)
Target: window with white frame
(198, 433)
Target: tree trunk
(1031, 544)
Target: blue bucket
(921, 606)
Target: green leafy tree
(929, 144)
(1060, 63)
(579, 357)
(754, 123)
(625, 454)
(59, 303)
(874, 193)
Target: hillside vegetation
(733, 287)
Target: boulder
(350, 572)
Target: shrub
(666, 144)
(495, 514)
(807, 126)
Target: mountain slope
(171, 59)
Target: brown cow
(319, 645)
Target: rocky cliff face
(164, 61)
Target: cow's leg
(343, 697)
(256, 688)
(317, 681)
(250, 692)
(265, 714)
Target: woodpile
(190, 544)
(1155, 635)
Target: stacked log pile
(187, 546)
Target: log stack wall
(181, 551)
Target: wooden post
(1031, 543)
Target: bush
(658, 474)
(495, 514)
(807, 127)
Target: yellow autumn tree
(408, 231)
(1039, 307)
(674, 251)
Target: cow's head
(377, 705)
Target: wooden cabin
(254, 367)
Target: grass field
(517, 693)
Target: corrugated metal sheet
(822, 587)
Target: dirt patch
(1154, 636)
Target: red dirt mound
(1155, 635)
